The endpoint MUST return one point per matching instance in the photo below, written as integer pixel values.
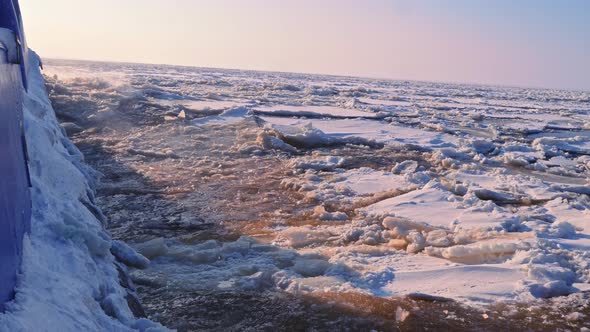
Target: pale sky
(541, 43)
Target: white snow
(436, 206)
(366, 180)
(478, 194)
(211, 105)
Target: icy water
(271, 201)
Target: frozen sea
(270, 201)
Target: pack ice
(335, 184)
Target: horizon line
(491, 85)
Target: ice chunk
(366, 181)
(307, 136)
(321, 213)
(326, 164)
(405, 167)
(551, 289)
(314, 111)
(480, 252)
(310, 267)
(152, 248)
(298, 237)
(229, 116)
(416, 242)
(270, 142)
(482, 146)
(436, 206)
(128, 255)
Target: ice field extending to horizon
(235, 180)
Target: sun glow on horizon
(529, 43)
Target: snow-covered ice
(315, 185)
(315, 112)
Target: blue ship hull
(15, 202)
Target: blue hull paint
(15, 202)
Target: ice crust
(69, 279)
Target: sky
(537, 43)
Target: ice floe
(386, 188)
